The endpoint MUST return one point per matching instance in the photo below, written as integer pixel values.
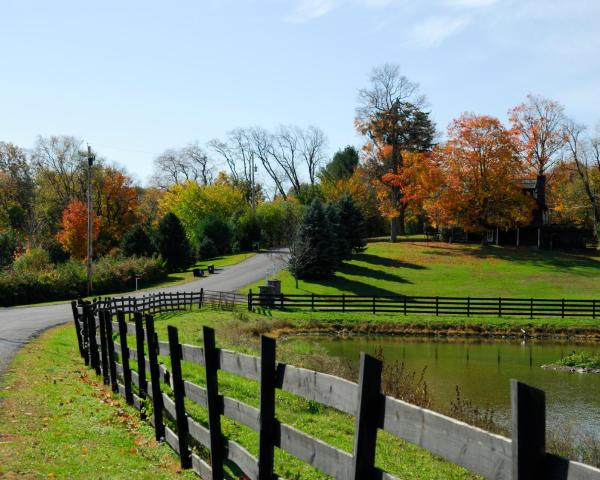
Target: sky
(133, 78)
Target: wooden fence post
(528, 432)
(103, 347)
(125, 356)
(141, 361)
(468, 306)
(85, 335)
(374, 308)
(77, 327)
(343, 302)
(201, 298)
(157, 401)
(500, 306)
(185, 456)
(437, 306)
(367, 417)
(250, 300)
(214, 405)
(267, 408)
(312, 302)
(111, 351)
(562, 308)
(92, 343)
(594, 308)
(530, 308)
(405, 305)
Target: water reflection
(482, 369)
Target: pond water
(482, 369)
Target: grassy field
(58, 421)
(416, 267)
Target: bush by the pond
(580, 360)
(68, 280)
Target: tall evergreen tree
(316, 242)
(136, 242)
(337, 237)
(172, 244)
(342, 165)
(352, 227)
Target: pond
(482, 369)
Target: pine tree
(172, 244)
(338, 240)
(136, 242)
(352, 227)
(315, 239)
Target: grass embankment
(58, 420)
(416, 267)
(582, 360)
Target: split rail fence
(410, 305)
(489, 455)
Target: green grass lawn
(416, 267)
(58, 421)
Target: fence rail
(410, 305)
(489, 455)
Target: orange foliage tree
(482, 176)
(118, 207)
(73, 232)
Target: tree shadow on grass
(386, 262)
(560, 260)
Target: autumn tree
(538, 124)
(584, 154)
(391, 116)
(482, 177)
(73, 228)
(16, 189)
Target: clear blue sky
(133, 78)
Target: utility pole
(90, 160)
(252, 187)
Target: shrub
(136, 242)
(68, 280)
(56, 251)
(35, 260)
(172, 243)
(207, 249)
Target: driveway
(20, 324)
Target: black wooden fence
(411, 305)
(491, 456)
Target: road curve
(20, 324)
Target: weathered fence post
(312, 302)
(374, 308)
(367, 417)
(281, 301)
(111, 351)
(103, 346)
(92, 343)
(468, 306)
(211, 361)
(77, 327)
(141, 361)
(250, 300)
(530, 308)
(405, 305)
(594, 308)
(201, 298)
(125, 356)
(185, 456)
(528, 432)
(500, 306)
(157, 401)
(437, 306)
(562, 308)
(267, 408)
(343, 302)
(85, 335)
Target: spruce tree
(337, 236)
(172, 244)
(352, 227)
(314, 253)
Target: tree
(172, 243)
(136, 242)
(538, 124)
(338, 242)
(175, 166)
(585, 157)
(482, 171)
(316, 241)
(278, 221)
(352, 228)
(391, 116)
(17, 189)
(8, 248)
(215, 228)
(118, 208)
(342, 165)
(73, 228)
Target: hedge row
(68, 280)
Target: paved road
(19, 324)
